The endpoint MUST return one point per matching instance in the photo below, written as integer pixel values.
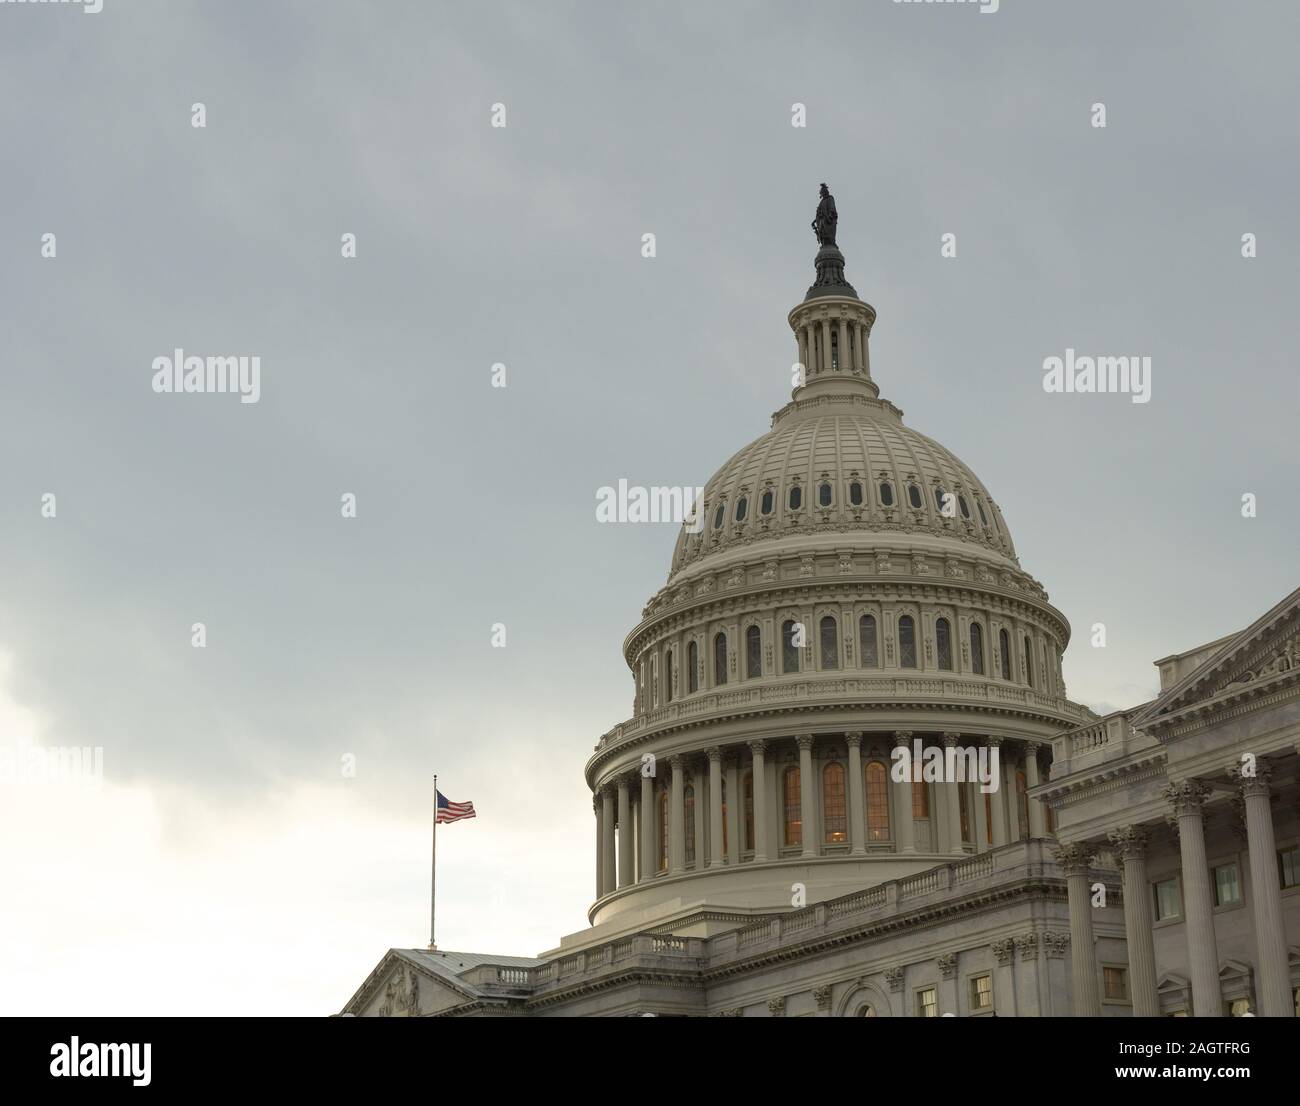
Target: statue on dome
(824, 225)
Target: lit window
(914, 496)
(1168, 903)
(943, 642)
(719, 515)
(927, 1003)
(789, 648)
(692, 668)
(768, 502)
(887, 494)
(867, 641)
(855, 494)
(830, 643)
(824, 495)
(833, 809)
(1227, 884)
(796, 498)
(1004, 647)
(977, 648)
(753, 653)
(719, 659)
(906, 642)
(877, 788)
(1288, 866)
(1115, 982)
(742, 507)
(920, 799)
(793, 807)
(981, 992)
(688, 801)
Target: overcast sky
(227, 864)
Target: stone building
(848, 592)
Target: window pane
(720, 659)
(689, 803)
(887, 494)
(906, 642)
(742, 506)
(877, 802)
(943, 641)
(1167, 904)
(1116, 981)
(833, 808)
(693, 667)
(793, 816)
(830, 643)
(855, 494)
(1004, 647)
(718, 516)
(914, 496)
(867, 641)
(789, 650)
(767, 503)
(1029, 663)
(977, 648)
(796, 497)
(1288, 866)
(824, 495)
(753, 653)
(1227, 886)
(749, 812)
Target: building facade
(847, 603)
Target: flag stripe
(453, 812)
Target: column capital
(948, 964)
(758, 746)
(1186, 797)
(993, 742)
(951, 738)
(714, 753)
(1129, 841)
(677, 762)
(854, 739)
(1254, 784)
(1027, 943)
(804, 741)
(1004, 949)
(902, 737)
(1075, 858)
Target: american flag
(453, 812)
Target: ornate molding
(1130, 842)
(776, 1006)
(1187, 797)
(1004, 950)
(1076, 858)
(947, 964)
(822, 996)
(1027, 943)
(1056, 944)
(894, 978)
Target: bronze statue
(824, 225)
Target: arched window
(886, 494)
(906, 642)
(747, 841)
(963, 806)
(983, 517)
(824, 494)
(719, 659)
(796, 497)
(767, 503)
(867, 1011)
(830, 643)
(943, 643)
(1004, 647)
(877, 788)
(988, 816)
(663, 830)
(965, 507)
(942, 502)
(920, 799)
(833, 808)
(914, 496)
(753, 653)
(668, 675)
(977, 648)
(867, 653)
(793, 810)
(692, 668)
(1022, 804)
(789, 648)
(742, 508)
(1029, 662)
(855, 493)
(688, 801)
(719, 515)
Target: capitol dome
(848, 587)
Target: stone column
(1131, 844)
(826, 348)
(951, 789)
(624, 832)
(715, 807)
(1188, 799)
(759, 749)
(1037, 823)
(843, 340)
(857, 801)
(677, 816)
(859, 346)
(599, 808)
(649, 830)
(701, 816)
(904, 831)
(608, 878)
(735, 811)
(1075, 860)
(807, 795)
(1274, 987)
(998, 835)
(802, 338)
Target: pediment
(1264, 656)
(399, 987)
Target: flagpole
(433, 866)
